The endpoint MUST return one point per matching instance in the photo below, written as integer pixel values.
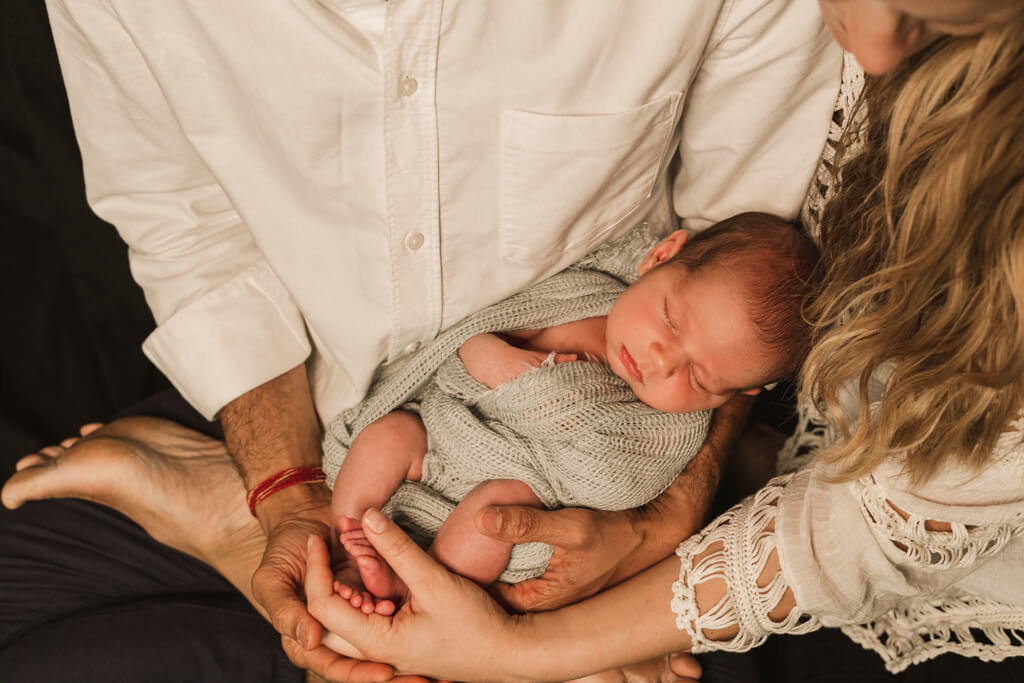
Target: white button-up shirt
(336, 182)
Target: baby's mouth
(630, 364)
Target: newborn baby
(601, 408)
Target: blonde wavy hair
(923, 262)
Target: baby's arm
(492, 361)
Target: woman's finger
(414, 566)
(351, 630)
(334, 667)
(332, 641)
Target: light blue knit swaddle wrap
(574, 432)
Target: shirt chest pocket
(570, 182)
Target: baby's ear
(663, 251)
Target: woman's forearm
(629, 623)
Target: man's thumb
(510, 523)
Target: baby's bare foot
(179, 485)
(349, 584)
(376, 575)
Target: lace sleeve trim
(961, 546)
(740, 543)
(811, 433)
(821, 189)
(926, 627)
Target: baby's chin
(665, 407)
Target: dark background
(72, 320)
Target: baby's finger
(565, 358)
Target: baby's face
(684, 341)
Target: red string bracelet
(282, 480)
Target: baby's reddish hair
(775, 262)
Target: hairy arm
(683, 508)
(268, 429)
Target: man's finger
(412, 565)
(527, 596)
(319, 581)
(685, 666)
(276, 591)
(519, 524)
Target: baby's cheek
(672, 400)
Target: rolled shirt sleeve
(225, 322)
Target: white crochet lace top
(852, 560)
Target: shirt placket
(411, 152)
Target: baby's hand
(492, 361)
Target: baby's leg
(463, 549)
(384, 454)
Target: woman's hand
(443, 630)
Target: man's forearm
(683, 507)
(271, 428)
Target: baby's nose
(663, 359)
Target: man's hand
(596, 549)
(290, 517)
(267, 430)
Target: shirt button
(407, 86)
(413, 347)
(414, 240)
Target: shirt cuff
(233, 338)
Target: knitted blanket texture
(574, 432)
